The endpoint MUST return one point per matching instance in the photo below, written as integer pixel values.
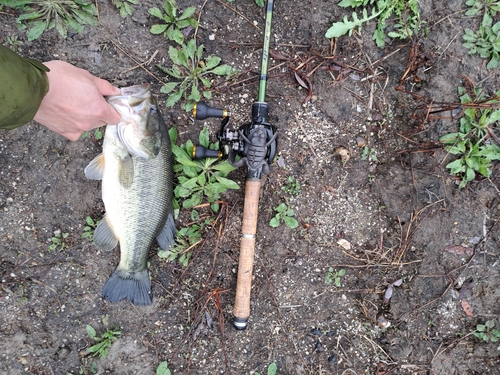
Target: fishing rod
(255, 143)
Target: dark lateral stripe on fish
(134, 287)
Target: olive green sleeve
(23, 84)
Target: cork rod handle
(241, 309)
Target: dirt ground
(401, 212)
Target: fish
(136, 169)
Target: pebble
(319, 347)
(344, 154)
(316, 332)
(361, 141)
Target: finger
(110, 115)
(104, 87)
(72, 136)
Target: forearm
(23, 84)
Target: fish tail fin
(132, 286)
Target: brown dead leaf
(459, 250)
(277, 55)
(467, 308)
(300, 81)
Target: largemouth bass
(137, 186)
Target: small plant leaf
(272, 369)
(224, 167)
(204, 137)
(170, 9)
(36, 30)
(223, 70)
(173, 98)
(281, 208)
(290, 222)
(227, 183)
(275, 221)
(91, 331)
(162, 369)
(158, 29)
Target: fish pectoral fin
(104, 238)
(166, 238)
(126, 171)
(95, 169)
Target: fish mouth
(137, 93)
(135, 96)
(135, 104)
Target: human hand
(75, 101)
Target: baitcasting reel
(255, 143)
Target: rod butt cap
(240, 323)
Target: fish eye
(153, 110)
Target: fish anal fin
(166, 238)
(104, 238)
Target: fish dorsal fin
(95, 169)
(166, 238)
(104, 238)
(126, 171)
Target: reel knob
(201, 111)
(201, 152)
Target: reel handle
(202, 111)
(201, 152)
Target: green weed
(88, 230)
(292, 186)
(486, 42)
(286, 214)
(369, 154)
(487, 332)
(163, 369)
(104, 342)
(334, 276)
(406, 13)
(64, 15)
(124, 6)
(60, 241)
(97, 132)
(469, 144)
(192, 74)
(199, 179)
(14, 42)
(271, 370)
(489, 6)
(172, 25)
(260, 3)
(186, 239)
